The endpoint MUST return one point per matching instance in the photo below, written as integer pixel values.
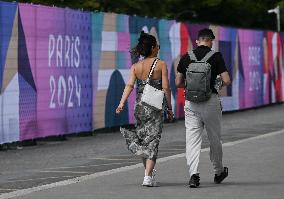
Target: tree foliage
(236, 13)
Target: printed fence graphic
(63, 71)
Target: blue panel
(137, 23)
(225, 49)
(7, 15)
(114, 93)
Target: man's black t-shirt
(216, 61)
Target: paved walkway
(256, 168)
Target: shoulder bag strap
(152, 68)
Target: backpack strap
(208, 55)
(152, 67)
(192, 55)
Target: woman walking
(144, 139)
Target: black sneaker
(194, 181)
(219, 178)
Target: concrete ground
(255, 172)
(105, 169)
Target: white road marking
(33, 179)
(23, 192)
(92, 165)
(172, 149)
(181, 145)
(124, 155)
(1, 189)
(111, 159)
(54, 171)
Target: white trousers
(197, 116)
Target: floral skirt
(143, 140)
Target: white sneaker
(148, 182)
(154, 175)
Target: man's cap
(206, 32)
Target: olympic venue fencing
(63, 71)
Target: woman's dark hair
(145, 44)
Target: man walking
(197, 72)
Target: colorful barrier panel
(64, 71)
(56, 45)
(9, 98)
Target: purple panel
(51, 36)
(58, 44)
(193, 32)
(252, 61)
(26, 68)
(123, 42)
(79, 115)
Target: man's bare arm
(179, 80)
(226, 78)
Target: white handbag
(152, 96)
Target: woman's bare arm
(167, 90)
(128, 89)
(166, 85)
